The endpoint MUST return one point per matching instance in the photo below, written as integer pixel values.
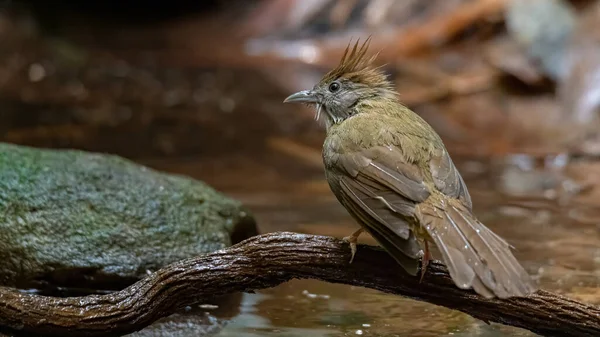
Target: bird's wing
(404, 250)
(384, 191)
(447, 179)
(381, 190)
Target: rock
(75, 219)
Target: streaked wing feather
(389, 167)
(383, 207)
(410, 265)
(447, 179)
(383, 185)
(404, 251)
(380, 190)
(379, 216)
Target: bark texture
(265, 261)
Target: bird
(392, 172)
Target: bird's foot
(425, 261)
(352, 239)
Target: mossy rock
(76, 219)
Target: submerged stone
(76, 219)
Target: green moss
(65, 210)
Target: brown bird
(393, 174)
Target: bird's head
(341, 91)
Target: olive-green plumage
(393, 174)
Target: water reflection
(546, 207)
(559, 250)
(350, 311)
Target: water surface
(541, 210)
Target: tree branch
(265, 261)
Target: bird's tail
(475, 256)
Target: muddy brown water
(548, 208)
(541, 211)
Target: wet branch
(265, 261)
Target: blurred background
(196, 88)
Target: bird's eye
(335, 86)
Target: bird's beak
(304, 96)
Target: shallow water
(545, 207)
(547, 219)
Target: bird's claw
(352, 239)
(352, 247)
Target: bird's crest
(358, 67)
